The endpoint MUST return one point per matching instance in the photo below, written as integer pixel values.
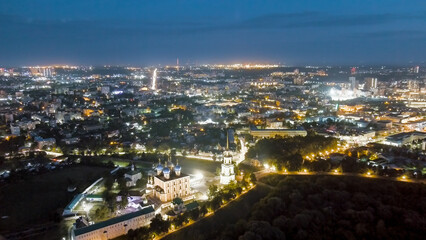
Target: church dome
(170, 165)
(178, 168)
(166, 170)
(159, 167)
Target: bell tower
(227, 173)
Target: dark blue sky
(140, 32)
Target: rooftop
(401, 136)
(177, 201)
(77, 198)
(113, 221)
(134, 172)
(192, 205)
(254, 128)
(173, 176)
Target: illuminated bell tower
(227, 173)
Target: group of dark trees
(110, 196)
(288, 152)
(159, 226)
(218, 197)
(11, 145)
(329, 207)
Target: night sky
(140, 32)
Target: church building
(169, 183)
(132, 176)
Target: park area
(212, 226)
(39, 200)
(317, 207)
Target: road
(55, 154)
(200, 157)
(242, 154)
(265, 172)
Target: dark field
(41, 199)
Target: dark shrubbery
(288, 152)
(330, 207)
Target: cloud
(315, 19)
(389, 34)
(300, 33)
(266, 22)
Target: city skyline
(196, 119)
(140, 33)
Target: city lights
(287, 120)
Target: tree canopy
(329, 207)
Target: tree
(108, 182)
(253, 178)
(194, 214)
(218, 171)
(179, 220)
(158, 225)
(203, 210)
(122, 184)
(212, 191)
(295, 162)
(163, 147)
(140, 183)
(349, 165)
(102, 213)
(215, 203)
(124, 202)
(321, 166)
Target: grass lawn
(211, 226)
(39, 199)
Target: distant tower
(177, 65)
(370, 83)
(416, 69)
(154, 80)
(47, 72)
(354, 83)
(227, 174)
